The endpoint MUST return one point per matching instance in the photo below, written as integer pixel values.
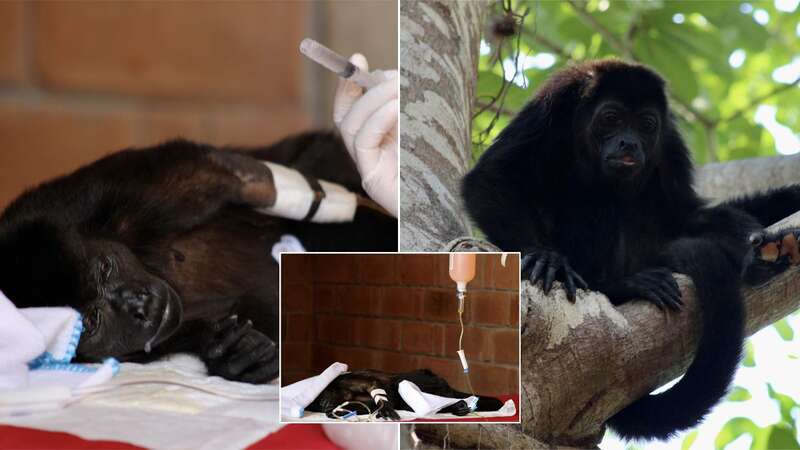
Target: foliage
(719, 58)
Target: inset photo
(430, 337)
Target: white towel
(423, 403)
(296, 396)
(36, 347)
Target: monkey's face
(125, 308)
(623, 139)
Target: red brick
(47, 140)
(477, 343)
(401, 302)
(377, 333)
(164, 123)
(491, 307)
(298, 327)
(449, 369)
(513, 313)
(12, 46)
(325, 298)
(491, 380)
(324, 356)
(216, 50)
(356, 358)
(421, 337)
(293, 375)
(377, 269)
(296, 297)
(394, 362)
(335, 329)
(335, 268)
(500, 277)
(442, 270)
(442, 305)
(296, 356)
(295, 268)
(417, 269)
(506, 346)
(513, 381)
(257, 127)
(359, 300)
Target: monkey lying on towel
(378, 391)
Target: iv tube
(462, 271)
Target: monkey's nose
(133, 302)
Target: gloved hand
(368, 124)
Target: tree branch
(585, 361)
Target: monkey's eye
(610, 117)
(105, 268)
(91, 321)
(649, 123)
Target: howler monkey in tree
(592, 182)
(161, 248)
(358, 386)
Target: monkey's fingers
(229, 340)
(550, 276)
(538, 269)
(579, 281)
(569, 284)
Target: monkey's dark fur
(356, 386)
(592, 182)
(162, 246)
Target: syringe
(339, 64)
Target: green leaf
(749, 359)
(785, 403)
(733, 429)
(784, 329)
(689, 440)
(782, 437)
(739, 394)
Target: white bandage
(378, 395)
(295, 198)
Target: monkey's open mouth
(626, 161)
(170, 320)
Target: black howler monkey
(161, 248)
(592, 182)
(357, 387)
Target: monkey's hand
(548, 266)
(656, 285)
(460, 408)
(235, 351)
(387, 412)
(772, 253)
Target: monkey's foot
(548, 266)
(656, 285)
(773, 253)
(235, 351)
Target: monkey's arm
(493, 196)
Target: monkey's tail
(706, 382)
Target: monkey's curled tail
(706, 381)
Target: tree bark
(439, 58)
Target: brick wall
(81, 79)
(399, 313)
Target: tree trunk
(438, 65)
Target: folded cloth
(296, 396)
(424, 403)
(36, 347)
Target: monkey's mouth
(171, 315)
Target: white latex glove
(368, 124)
(360, 437)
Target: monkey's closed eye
(91, 321)
(105, 268)
(649, 123)
(610, 118)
